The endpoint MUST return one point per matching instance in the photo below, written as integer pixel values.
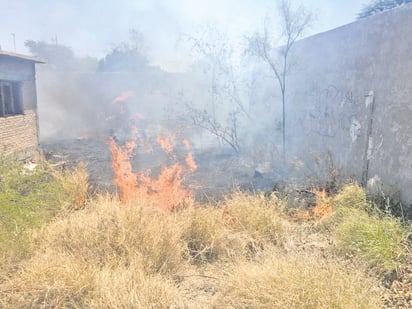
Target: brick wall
(18, 135)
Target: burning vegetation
(166, 191)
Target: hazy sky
(91, 27)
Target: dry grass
(256, 215)
(297, 281)
(351, 196)
(243, 254)
(133, 248)
(204, 233)
(55, 280)
(130, 287)
(49, 280)
(75, 186)
(107, 232)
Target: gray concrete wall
(330, 92)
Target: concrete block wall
(350, 95)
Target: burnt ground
(219, 170)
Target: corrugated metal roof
(20, 56)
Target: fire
(124, 177)
(322, 209)
(186, 143)
(124, 96)
(167, 142)
(190, 162)
(166, 192)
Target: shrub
(286, 281)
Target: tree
(378, 6)
(60, 57)
(294, 21)
(224, 109)
(54, 54)
(127, 56)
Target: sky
(93, 27)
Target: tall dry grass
(204, 233)
(108, 232)
(257, 215)
(114, 255)
(297, 281)
(77, 255)
(74, 184)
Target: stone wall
(350, 95)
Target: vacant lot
(63, 247)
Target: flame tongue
(165, 192)
(125, 179)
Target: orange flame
(186, 143)
(124, 177)
(165, 192)
(124, 96)
(167, 142)
(190, 162)
(322, 209)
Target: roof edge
(21, 56)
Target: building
(19, 136)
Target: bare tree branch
(294, 21)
